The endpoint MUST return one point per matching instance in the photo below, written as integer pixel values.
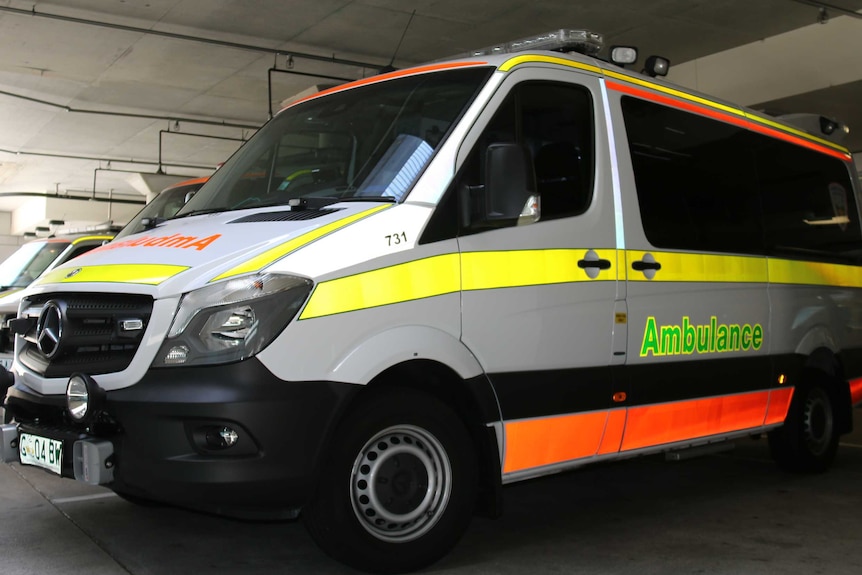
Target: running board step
(699, 451)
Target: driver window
(553, 122)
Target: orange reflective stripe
(779, 404)
(544, 441)
(613, 432)
(669, 422)
(856, 391)
(388, 76)
(744, 120)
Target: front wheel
(808, 440)
(399, 487)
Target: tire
(398, 489)
(808, 440)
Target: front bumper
(158, 432)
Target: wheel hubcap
(401, 483)
(818, 421)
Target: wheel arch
(381, 351)
(475, 403)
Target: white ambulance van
(43, 255)
(407, 291)
(30, 261)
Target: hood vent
(286, 216)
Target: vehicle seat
(558, 178)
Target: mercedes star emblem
(49, 329)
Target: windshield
(370, 142)
(28, 262)
(163, 207)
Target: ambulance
(406, 292)
(40, 256)
(31, 260)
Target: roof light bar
(581, 41)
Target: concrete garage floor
(730, 513)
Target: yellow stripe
(796, 132)
(512, 62)
(517, 60)
(149, 274)
(693, 267)
(439, 275)
(730, 109)
(490, 270)
(673, 92)
(418, 279)
(270, 256)
(88, 238)
(471, 271)
(813, 273)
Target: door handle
(646, 265)
(594, 264)
(641, 265)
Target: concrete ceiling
(98, 95)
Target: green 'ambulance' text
(688, 338)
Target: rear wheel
(399, 487)
(808, 440)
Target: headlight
(231, 320)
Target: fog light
(177, 355)
(83, 397)
(229, 436)
(221, 437)
(77, 398)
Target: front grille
(100, 333)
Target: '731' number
(396, 239)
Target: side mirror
(509, 181)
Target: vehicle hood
(186, 253)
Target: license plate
(41, 452)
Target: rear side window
(695, 182)
(706, 185)
(809, 207)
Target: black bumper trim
(157, 442)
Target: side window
(695, 182)
(553, 122)
(808, 200)
(81, 250)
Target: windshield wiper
(201, 212)
(389, 199)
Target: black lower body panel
(165, 433)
